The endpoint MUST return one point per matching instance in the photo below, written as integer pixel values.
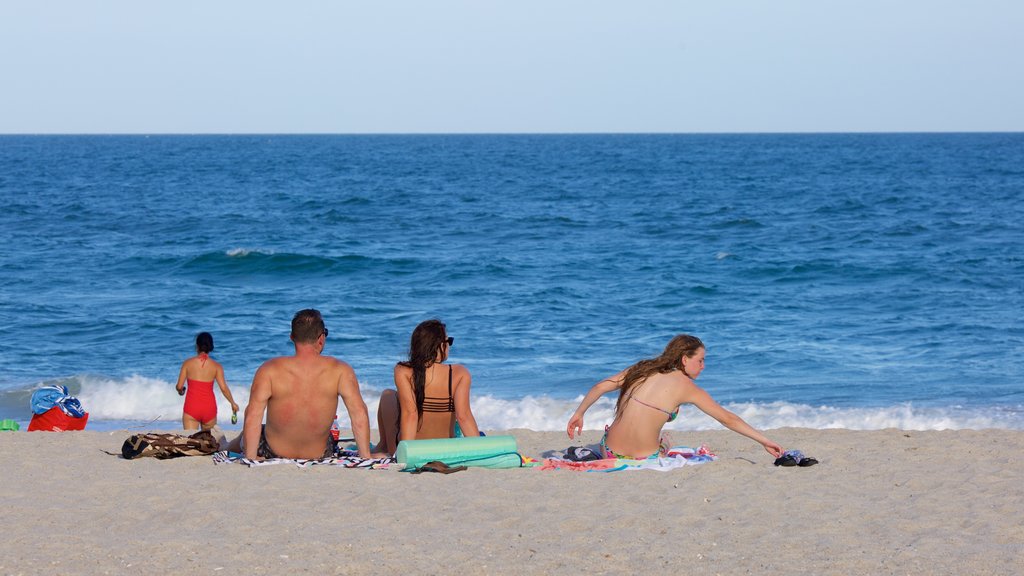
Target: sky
(524, 66)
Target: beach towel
(165, 445)
(602, 465)
(345, 459)
(676, 457)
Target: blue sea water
(859, 281)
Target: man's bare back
(303, 402)
(300, 397)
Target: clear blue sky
(229, 66)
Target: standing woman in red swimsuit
(199, 372)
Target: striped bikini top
(434, 404)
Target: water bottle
(234, 417)
(335, 431)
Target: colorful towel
(345, 459)
(603, 465)
(676, 457)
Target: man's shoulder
(337, 362)
(276, 363)
(336, 366)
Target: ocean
(859, 281)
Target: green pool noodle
(481, 451)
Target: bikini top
(671, 415)
(435, 404)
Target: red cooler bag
(55, 420)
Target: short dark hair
(204, 342)
(307, 325)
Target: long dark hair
(427, 340)
(671, 359)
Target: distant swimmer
(650, 393)
(431, 398)
(299, 395)
(200, 372)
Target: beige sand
(885, 502)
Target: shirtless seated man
(300, 396)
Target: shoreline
(887, 501)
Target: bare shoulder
(403, 377)
(688, 389)
(338, 366)
(274, 365)
(337, 363)
(460, 372)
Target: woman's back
(441, 384)
(645, 410)
(201, 368)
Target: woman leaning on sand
(431, 398)
(650, 393)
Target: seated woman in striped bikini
(650, 393)
(431, 398)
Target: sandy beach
(879, 502)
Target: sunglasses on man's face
(325, 331)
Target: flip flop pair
(439, 467)
(795, 458)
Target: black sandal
(439, 467)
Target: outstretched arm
(603, 387)
(348, 389)
(698, 397)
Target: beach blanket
(676, 457)
(344, 459)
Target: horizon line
(595, 133)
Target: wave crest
(142, 399)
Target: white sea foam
(243, 252)
(139, 398)
(144, 399)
